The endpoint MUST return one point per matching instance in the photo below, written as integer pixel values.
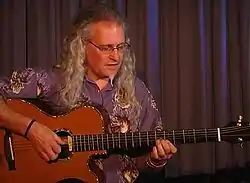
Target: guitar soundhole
(71, 180)
(65, 153)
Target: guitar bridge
(9, 150)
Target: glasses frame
(109, 48)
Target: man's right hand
(45, 141)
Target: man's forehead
(107, 31)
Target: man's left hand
(162, 151)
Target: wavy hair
(73, 62)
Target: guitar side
(31, 168)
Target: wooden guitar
(83, 131)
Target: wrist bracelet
(28, 127)
(151, 164)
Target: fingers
(49, 149)
(48, 156)
(154, 154)
(56, 145)
(158, 152)
(164, 149)
(46, 142)
(172, 147)
(44, 156)
(168, 147)
(52, 155)
(48, 152)
(58, 139)
(55, 148)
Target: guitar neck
(130, 140)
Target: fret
(88, 143)
(113, 140)
(107, 141)
(147, 139)
(139, 139)
(218, 133)
(194, 135)
(84, 143)
(119, 139)
(81, 149)
(155, 135)
(76, 143)
(102, 142)
(189, 133)
(126, 142)
(93, 142)
(206, 135)
(97, 142)
(174, 136)
(132, 134)
(79, 142)
(164, 134)
(183, 134)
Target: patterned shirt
(117, 168)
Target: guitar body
(31, 168)
(83, 130)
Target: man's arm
(20, 84)
(27, 83)
(12, 120)
(150, 119)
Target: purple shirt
(25, 83)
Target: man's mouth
(114, 64)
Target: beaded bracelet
(28, 128)
(151, 164)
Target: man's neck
(100, 82)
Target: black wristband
(28, 128)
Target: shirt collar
(109, 86)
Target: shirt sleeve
(150, 118)
(24, 83)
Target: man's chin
(109, 74)
(107, 77)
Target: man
(97, 64)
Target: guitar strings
(188, 133)
(28, 146)
(199, 133)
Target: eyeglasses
(109, 48)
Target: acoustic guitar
(82, 130)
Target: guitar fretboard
(130, 140)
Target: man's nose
(114, 54)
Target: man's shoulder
(38, 74)
(30, 71)
(141, 88)
(139, 83)
(46, 72)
